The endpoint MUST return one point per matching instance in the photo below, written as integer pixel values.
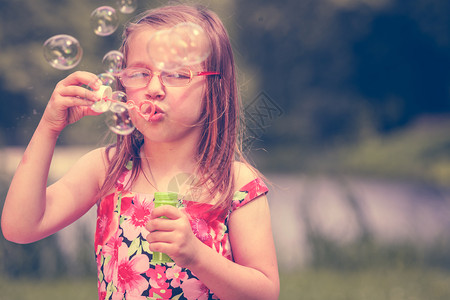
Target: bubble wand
(120, 122)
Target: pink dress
(123, 257)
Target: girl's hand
(173, 235)
(70, 101)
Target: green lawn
(382, 284)
(34, 289)
(376, 284)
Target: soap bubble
(104, 20)
(119, 96)
(195, 42)
(166, 50)
(62, 52)
(118, 119)
(108, 79)
(126, 6)
(113, 61)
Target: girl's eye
(137, 74)
(177, 75)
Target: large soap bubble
(165, 50)
(104, 20)
(62, 51)
(126, 6)
(113, 62)
(185, 44)
(195, 42)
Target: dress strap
(249, 192)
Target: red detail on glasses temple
(207, 73)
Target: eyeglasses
(140, 77)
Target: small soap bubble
(104, 20)
(126, 6)
(119, 96)
(113, 62)
(118, 119)
(62, 51)
(165, 50)
(108, 79)
(196, 43)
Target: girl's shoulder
(244, 173)
(96, 163)
(97, 157)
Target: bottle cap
(166, 198)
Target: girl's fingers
(82, 77)
(76, 101)
(79, 92)
(160, 236)
(160, 224)
(167, 211)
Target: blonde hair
(220, 142)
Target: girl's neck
(164, 164)
(169, 157)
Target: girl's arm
(253, 275)
(31, 210)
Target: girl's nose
(155, 88)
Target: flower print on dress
(129, 278)
(102, 291)
(111, 254)
(195, 290)
(125, 203)
(157, 276)
(201, 231)
(160, 293)
(136, 217)
(249, 192)
(158, 282)
(176, 275)
(107, 221)
(208, 226)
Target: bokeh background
(348, 114)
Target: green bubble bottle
(163, 198)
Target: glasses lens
(134, 78)
(179, 78)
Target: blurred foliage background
(358, 87)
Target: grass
(367, 284)
(308, 284)
(50, 289)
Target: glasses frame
(158, 73)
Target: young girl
(220, 237)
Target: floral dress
(122, 253)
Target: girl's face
(178, 109)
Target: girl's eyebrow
(139, 64)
